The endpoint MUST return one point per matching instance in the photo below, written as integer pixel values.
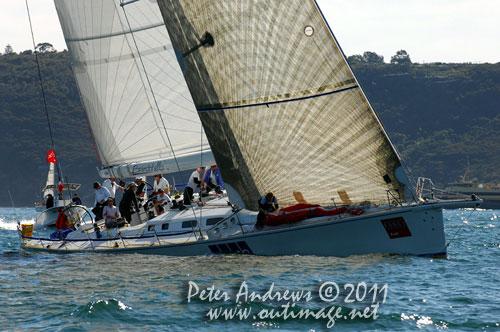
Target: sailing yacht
(62, 199)
(261, 88)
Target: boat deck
(107, 243)
(139, 237)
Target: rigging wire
(85, 115)
(123, 4)
(149, 84)
(15, 210)
(59, 170)
(201, 166)
(466, 221)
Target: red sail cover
(300, 206)
(299, 212)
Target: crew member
(101, 196)
(110, 213)
(111, 185)
(62, 220)
(160, 200)
(160, 183)
(142, 191)
(76, 200)
(127, 200)
(49, 202)
(267, 204)
(212, 180)
(194, 182)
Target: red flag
(51, 157)
(61, 186)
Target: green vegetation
(436, 114)
(23, 125)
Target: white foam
(12, 225)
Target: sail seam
(278, 101)
(352, 72)
(119, 57)
(145, 80)
(375, 114)
(152, 92)
(115, 34)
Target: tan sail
(280, 106)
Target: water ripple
(88, 292)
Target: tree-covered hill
(24, 137)
(437, 115)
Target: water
(89, 292)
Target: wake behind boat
(281, 110)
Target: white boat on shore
(282, 112)
(490, 194)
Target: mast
(58, 166)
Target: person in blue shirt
(212, 180)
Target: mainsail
(280, 106)
(135, 97)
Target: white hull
(413, 230)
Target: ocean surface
(103, 292)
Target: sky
(429, 30)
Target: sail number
(396, 227)
(240, 247)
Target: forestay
(281, 108)
(136, 100)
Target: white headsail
(135, 96)
(281, 108)
(51, 180)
